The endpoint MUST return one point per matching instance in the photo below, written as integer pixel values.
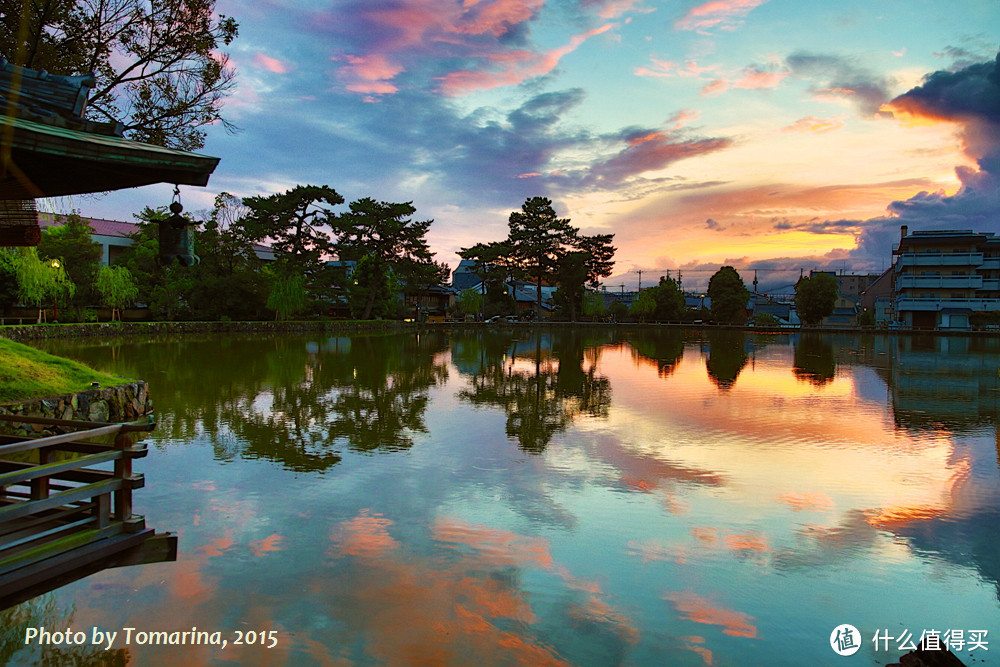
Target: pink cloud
(497, 18)
(752, 79)
(514, 67)
(813, 124)
(756, 79)
(270, 64)
(615, 8)
(717, 86)
(664, 68)
(369, 74)
(700, 609)
(718, 13)
(683, 117)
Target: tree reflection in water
(542, 381)
(814, 360)
(726, 357)
(43, 612)
(291, 400)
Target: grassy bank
(27, 373)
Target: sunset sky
(768, 134)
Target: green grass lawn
(27, 373)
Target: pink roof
(99, 225)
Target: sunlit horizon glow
(763, 131)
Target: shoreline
(47, 331)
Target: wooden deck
(66, 506)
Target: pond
(554, 497)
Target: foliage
(164, 289)
(230, 280)
(158, 65)
(644, 305)
(815, 297)
(116, 287)
(71, 243)
(729, 296)
(40, 281)
(538, 240)
(618, 310)
(599, 256)
(8, 278)
(393, 245)
(669, 300)
(469, 302)
(29, 373)
(288, 295)
(765, 320)
(866, 318)
(375, 293)
(295, 223)
(572, 275)
(593, 305)
(494, 267)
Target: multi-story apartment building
(941, 277)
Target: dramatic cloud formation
(836, 77)
(969, 98)
(509, 68)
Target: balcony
(904, 303)
(991, 263)
(938, 282)
(971, 259)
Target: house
(114, 237)
(941, 277)
(463, 277)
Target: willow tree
(40, 281)
(117, 288)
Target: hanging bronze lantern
(177, 236)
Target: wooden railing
(62, 502)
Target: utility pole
(678, 278)
(640, 280)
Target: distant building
(852, 286)
(114, 237)
(942, 277)
(877, 298)
(463, 277)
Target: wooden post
(123, 471)
(40, 486)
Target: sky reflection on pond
(583, 497)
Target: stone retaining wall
(34, 332)
(122, 403)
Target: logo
(845, 639)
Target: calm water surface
(549, 498)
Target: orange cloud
(813, 124)
(694, 607)
(266, 545)
(493, 546)
(810, 501)
(365, 535)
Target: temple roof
(47, 148)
